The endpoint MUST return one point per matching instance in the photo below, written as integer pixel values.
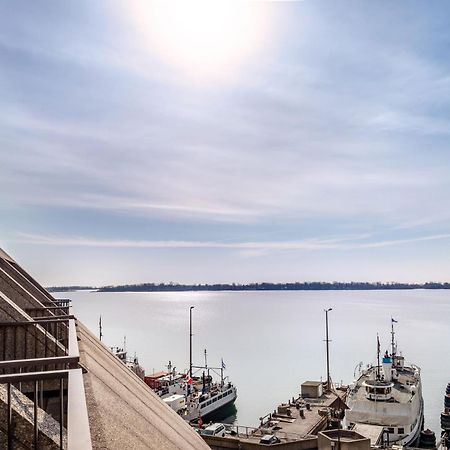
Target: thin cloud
(344, 243)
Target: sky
(201, 142)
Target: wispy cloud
(342, 243)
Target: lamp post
(328, 349)
(190, 341)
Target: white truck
(176, 402)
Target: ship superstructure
(388, 396)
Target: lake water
(273, 341)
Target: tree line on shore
(295, 286)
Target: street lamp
(328, 349)
(190, 341)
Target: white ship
(387, 398)
(194, 397)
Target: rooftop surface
(123, 411)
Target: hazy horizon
(217, 141)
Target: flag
(223, 365)
(393, 320)
(188, 378)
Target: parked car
(269, 439)
(216, 429)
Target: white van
(216, 429)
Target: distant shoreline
(304, 286)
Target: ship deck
(401, 393)
(313, 419)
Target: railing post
(9, 419)
(61, 412)
(36, 430)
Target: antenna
(100, 327)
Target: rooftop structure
(293, 425)
(60, 387)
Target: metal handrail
(72, 361)
(78, 431)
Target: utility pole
(190, 341)
(328, 348)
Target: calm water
(272, 341)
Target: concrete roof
(311, 383)
(5, 255)
(123, 411)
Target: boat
(131, 363)
(195, 395)
(386, 399)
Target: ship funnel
(387, 367)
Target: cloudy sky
(246, 141)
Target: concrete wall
(219, 443)
(347, 440)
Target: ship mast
(100, 327)
(393, 336)
(378, 357)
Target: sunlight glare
(204, 37)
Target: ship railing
(242, 431)
(39, 370)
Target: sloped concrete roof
(5, 255)
(123, 411)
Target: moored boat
(194, 395)
(388, 397)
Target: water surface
(272, 341)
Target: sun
(201, 36)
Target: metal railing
(38, 338)
(244, 432)
(41, 361)
(47, 310)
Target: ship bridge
(378, 390)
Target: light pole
(190, 341)
(328, 348)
